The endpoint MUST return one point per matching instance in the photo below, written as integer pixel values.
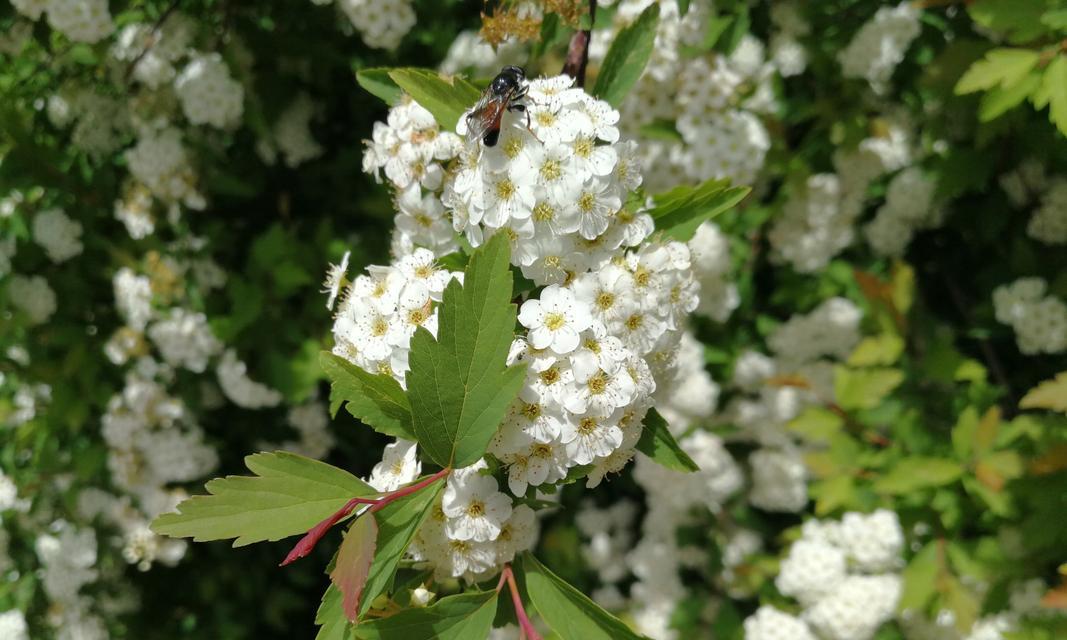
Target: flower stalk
(526, 628)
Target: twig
(578, 51)
(153, 37)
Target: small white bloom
(555, 320)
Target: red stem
(312, 537)
(406, 491)
(526, 627)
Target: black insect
(504, 93)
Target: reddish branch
(312, 537)
(526, 628)
(578, 51)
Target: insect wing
(485, 116)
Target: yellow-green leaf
(914, 474)
(864, 388)
(1050, 394)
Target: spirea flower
(57, 234)
(208, 94)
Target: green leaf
(816, 424)
(1054, 87)
(459, 617)
(678, 212)
(1020, 20)
(920, 579)
(289, 495)
(569, 612)
(445, 99)
(459, 385)
(658, 444)
(913, 474)
(353, 564)
(379, 84)
(331, 617)
(376, 399)
(864, 388)
(397, 524)
(1002, 99)
(963, 433)
(1050, 394)
(999, 67)
(683, 7)
(883, 349)
(627, 57)
(1055, 19)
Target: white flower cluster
(1039, 320)
(208, 94)
(68, 558)
(817, 220)
(381, 23)
(844, 576)
(239, 388)
(710, 250)
(32, 296)
(99, 121)
(79, 20)
(291, 135)
(600, 335)
(776, 390)
(909, 206)
(608, 536)
(880, 44)
(1049, 222)
(154, 51)
(184, 339)
(13, 625)
(476, 528)
(58, 235)
(715, 102)
(788, 54)
(160, 162)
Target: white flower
(476, 510)
(33, 296)
(335, 279)
(595, 203)
(208, 94)
(590, 436)
(555, 320)
(398, 467)
(57, 234)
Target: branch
(578, 51)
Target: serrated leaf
(1054, 87)
(1000, 67)
(914, 474)
(331, 617)
(459, 385)
(376, 399)
(289, 495)
(569, 612)
(658, 444)
(1002, 99)
(864, 388)
(627, 57)
(920, 579)
(446, 99)
(459, 617)
(397, 524)
(378, 83)
(353, 563)
(1050, 394)
(678, 212)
